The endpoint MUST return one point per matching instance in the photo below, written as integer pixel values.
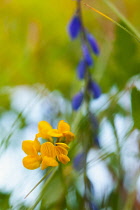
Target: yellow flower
(61, 152)
(48, 155)
(31, 148)
(63, 130)
(49, 152)
(43, 128)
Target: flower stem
(49, 171)
(44, 187)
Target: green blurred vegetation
(35, 47)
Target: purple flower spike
(77, 100)
(81, 69)
(95, 89)
(87, 56)
(74, 27)
(93, 44)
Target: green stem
(122, 17)
(38, 183)
(116, 136)
(44, 187)
(117, 145)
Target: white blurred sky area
(18, 180)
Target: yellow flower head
(63, 130)
(49, 153)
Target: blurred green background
(35, 47)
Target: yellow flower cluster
(50, 152)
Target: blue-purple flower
(77, 100)
(74, 27)
(93, 44)
(81, 69)
(94, 88)
(88, 45)
(86, 54)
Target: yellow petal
(60, 150)
(69, 136)
(43, 128)
(44, 135)
(48, 161)
(48, 149)
(29, 148)
(43, 125)
(63, 126)
(63, 145)
(37, 145)
(55, 133)
(63, 159)
(31, 161)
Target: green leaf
(4, 200)
(135, 102)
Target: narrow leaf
(135, 102)
(113, 21)
(38, 183)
